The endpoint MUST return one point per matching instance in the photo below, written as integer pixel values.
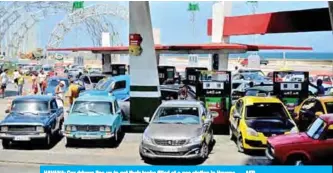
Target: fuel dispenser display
(193, 74)
(291, 87)
(166, 73)
(118, 69)
(214, 89)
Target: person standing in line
(16, 76)
(59, 90)
(4, 82)
(41, 79)
(20, 83)
(73, 92)
(34, 87)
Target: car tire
(5, 144)
(47, 141)
(297, 160)
(240, 146)
(204, 151)
(70, 142)
(145, 159)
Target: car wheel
(297, 160)
(5, 144)
(144, 158)
(204, 151)
(240, 146)
(69, 142)
(47, 141)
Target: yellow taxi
(253, 119)
(311, 108)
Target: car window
(177, 115)
(96, 79)
(326, 79)
(30, 106)
(86, 80)
(266, 110)
(235, 85)
(318, 107)
(119, 85)
(92, 108)
(54, 104)
(116, 106)
(329, 107)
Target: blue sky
(173, 19)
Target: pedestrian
(41, 79)
(20, 83)
(59, 90)
(44, 85)
(16, 76)
(183, 92)
(34, 86)
(319, 87)
(4, 82)
(73, 92)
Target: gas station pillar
(220, 10)
(144, 90)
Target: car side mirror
(7, 111)
(319, 113)
(146, 119)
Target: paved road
(28, 158)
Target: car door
(118, 113)
(234, 123)
(119, 90)
(324, 145)
(56, 116)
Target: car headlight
(68, 128)
(108, 129)
(294, 130)
(40, 129)
(251, 132)
(4, 129)
(146, 138)
(197, 139)
(102, 128)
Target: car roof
(249, 100)
(109, 98)
(325, 98)
(327, 118)
(181, 103)
(34, 98)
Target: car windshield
(316, 129)
(92, 108)
(55, 82)
(33, 107)
(253, 76)
(177, 115)
(104, 85)
(329, 107)
(266, 111)
(94, 79)
(47, 68)
(235, 85)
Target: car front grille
(170, 142)
(169, 153)
(269, 134)
(88, 128)
(21, 128)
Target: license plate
(88, 137)
(170, 149)
(21, 138)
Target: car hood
(270, 125)
(13, 118)
(173, 131)
(95, 93)
(84, 119)
(289, 139)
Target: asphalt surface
(29, 158)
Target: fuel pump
(192, 74)
(118, 69)
(291, 87)
(166, 73)
(214, 89)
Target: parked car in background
(310, 147)
(178, 129)
(31, 119)
(52, 84)
(93, 118)
(89, 81)
(245, 62)
(74, 72)
(327, 79)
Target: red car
(327, 79)
(310, 147)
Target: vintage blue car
(32, 118)
(93, 118)
(52, 84)
(119, 86)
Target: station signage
(135, 41)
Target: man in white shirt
(4, 82)
(41, 78)
(16, 76)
